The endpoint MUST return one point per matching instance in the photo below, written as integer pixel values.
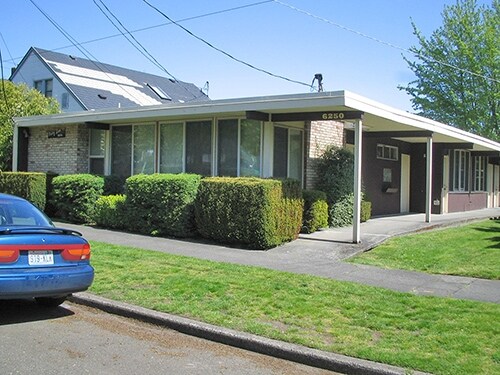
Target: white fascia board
(269, 104)
(381, 110)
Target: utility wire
(162, 25)
(3, 85)
(406, 50)
(82, 49)
(224, 52)
(127, 35)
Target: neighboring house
(81, 85)
(407, 163)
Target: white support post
(428, 181)
(358, 146)
(15, 149)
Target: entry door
(405, 183)
(490, 184)
(446, 182)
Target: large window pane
(97, 142)
(144, 149)
(250, 148)
(295, 156)
(171, 148)
(280, 154)
(199, 147)
(121, 150)
(227, 148)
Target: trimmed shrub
(30, 186)
(341, 212)
(162, 204)
(336, 174)
(315, 211)
(366, 211)
(74, 196)
(258, 213)
(110, 211)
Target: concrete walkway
(322, 254)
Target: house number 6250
(333, 116)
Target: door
(446, 182)
(405, 183)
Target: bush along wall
(254, 212)
(341, 213)
(110, 211)
(74, 196)
(315, 214)
(162, 204)
(30, 186)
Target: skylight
(158, 91)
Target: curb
(275, 348)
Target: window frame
(387, 152)
(288, 150)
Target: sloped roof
(97, 85)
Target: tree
(458, 69)
(18, 101)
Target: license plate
(40, 258)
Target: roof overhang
(376, 117)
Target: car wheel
(50, 301)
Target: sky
(357, 45)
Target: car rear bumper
(45, 282)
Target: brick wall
(318, 136)
(65, 155)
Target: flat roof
(377, 116)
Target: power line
(162, 25)
(3, 85)
(82, 49)
(383, 42)
(142, 49)
(224, 52)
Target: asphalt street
(75, 339)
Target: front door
(446, 182)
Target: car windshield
(15, 212)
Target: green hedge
(162, 204)
(30, 186)
(74, 196)
(315, 211)
(110, 211)
(341, 213)
(258, 213)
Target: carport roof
(377, 117)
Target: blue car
(37, 259)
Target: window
(199, 147)
(461, 160)
(121, 151)
(239, 148)
(159, 92)
(64, 100)
(172, 148)
(97, 149)
(144, 149)
(227, 148)
(479, 173)
(387, 152)
(287, 153)
(44, 86)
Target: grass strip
(472, 250)
(438, 335)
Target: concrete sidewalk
(322, 254)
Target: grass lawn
(438, 335)
(471, 250)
